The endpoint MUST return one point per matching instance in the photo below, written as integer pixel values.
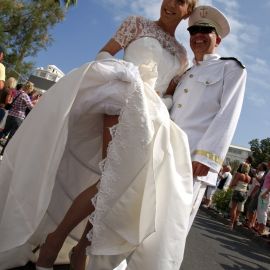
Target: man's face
(204, 43)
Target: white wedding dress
(145, 193)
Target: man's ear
(218, 40)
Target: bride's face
(173, 11)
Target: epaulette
(233, 58)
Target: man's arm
(213, 146)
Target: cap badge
(203, 12)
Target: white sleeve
(219, 134)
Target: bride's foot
(48, 252)
(77, 257)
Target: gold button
(191, 76)
(186, 90)
(179, 105)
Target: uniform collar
(207, 57)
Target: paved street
(212, 246)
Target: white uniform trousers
(199, 188)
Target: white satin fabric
(145, 196)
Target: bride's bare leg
(79, 210)
(78, 259)
(78, 254)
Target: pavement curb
(263, 242)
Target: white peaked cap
(210, 16)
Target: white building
(44, 78)
(237, 153)
(52, 73)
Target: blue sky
(89, 25)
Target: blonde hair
(191, 5)
(11, 83)
(245, 168)
(28, 87)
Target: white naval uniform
(206, 105)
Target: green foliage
(24, 30)
(260, 150)
(221, 200)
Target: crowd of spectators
(250, 195)
(16, 101)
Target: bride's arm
(109, 50)
(171, 87)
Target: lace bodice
(135, 27)
(146, 44)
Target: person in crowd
(10, 87)
(263, 203)
(6, 98)
(223, 182)
(2, 69)
(210, 191)
(225, 178)
(68, 143)
(2, 83)
(34, 97)
(16, 113)
(253, 184)
(215, 83)
(254, 195)
(239, 185)
(249, 160)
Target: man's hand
(199, 169)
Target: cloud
(266, 122)
(256, 100)
(260, 66)
(122, 8)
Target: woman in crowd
(6, 95)
(136, 211)
(20, 102)
(253, 194)
(263, 203)
(239, 185)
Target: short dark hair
(19, 86)
(249, 159)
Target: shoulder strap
(235, 59)
(11, 104)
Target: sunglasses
(193, 30)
